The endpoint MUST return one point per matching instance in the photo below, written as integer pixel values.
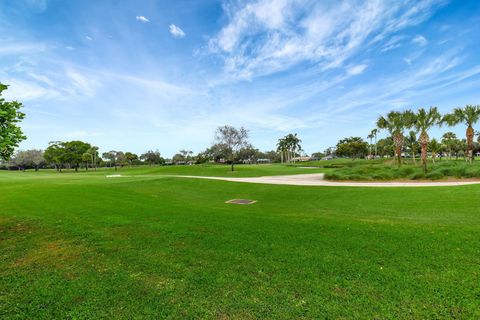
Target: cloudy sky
(144, 74)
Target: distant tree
(249, 154)
(352, 147)
(186, 155)
(179, 158)
(412, 144)
(395, 123)
(92, 157)
(19, 160)
(373, 134)
(288, 147)
(111, 156)
(54, 154)
(74, 152)
(424, 121)
(10, 133)
(434, 146)
(449, 140)
(131, 158)
(233, 139)
(318, 155)
(152, 157)
(385, 147)
(282, 148)
(469, 115)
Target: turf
(79, 245)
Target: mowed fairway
(80, 245)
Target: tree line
(419, 123)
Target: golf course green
(79, 245)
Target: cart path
(317, 179)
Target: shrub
(417, 176)
(435, 175)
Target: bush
(435, 175)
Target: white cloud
(264, 37)
(358, 69)
(70, 48)
(408, 61)
(176, 31)
(88, 38)
(14, 48)
(142, 19)
(420, 40)
(23, 90)
(84, 85)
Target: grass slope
(83, 246)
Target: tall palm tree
(448, 139)
(292, 143)
(370, 137)
(282, 148)
(395, 123)
(412, 144)
(424, 121)
(434, 147)
(374, 134)
(469, 115)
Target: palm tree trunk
(398, 141)
(470, 134)
(424, 143)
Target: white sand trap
(316, 179)
(114, 176)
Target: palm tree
(282, 148)
(434, 147)
(469, 115)
(374, 134)
(424, 120)
(395, 123)
(291, 143)
(412, 144)
(448, 139)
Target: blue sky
(137, 75)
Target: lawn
(148, 245)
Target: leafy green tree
(152, 157)
(54, 154)
(10, 133)
(24, 159)
(469, 115)
(395, 123)
(233, 139)
(434, 146)
(412, 144)
(282, 149)
(385, 147)
(352, 147)
(449, 139)
(111, 156)
(424, 121)
(131, 158)
(74, 151)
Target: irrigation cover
(241, 201)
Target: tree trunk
(423, 139)
(470, 134)
(398, 142)
(232, 166)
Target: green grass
(379, 170)
(151, 246)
